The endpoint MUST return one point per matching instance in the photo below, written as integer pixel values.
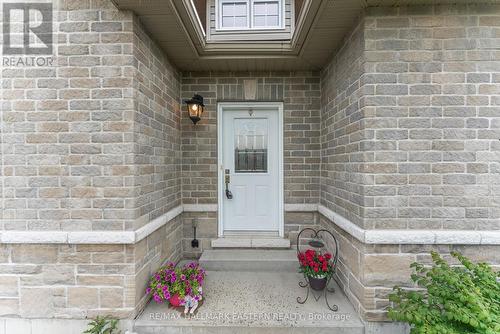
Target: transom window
(249, 14)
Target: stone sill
(412, 237)
(425, 237)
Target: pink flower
(157, 298)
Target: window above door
(250, 14)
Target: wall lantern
(195, 107)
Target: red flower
(328, 256)
(316, 269)
(321, 258)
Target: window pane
(260, 8)
(228, 22)
(266, 14)
(259, 21)
(240, 21)
(272, 21)
(234, 15)
(240, 9)
(227, 9)
(272, 8)
(250, 146)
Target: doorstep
(251, 242)
(250, 260)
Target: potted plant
(177, 284)
(317, 267)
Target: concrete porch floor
(254, 302)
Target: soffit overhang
(320, 29)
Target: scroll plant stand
(322, 243)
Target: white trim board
(412, 237)
(426, 237)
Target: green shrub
(103, 325)
(452, 299)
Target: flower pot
(175, 300)
(317, 283)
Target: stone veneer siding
(402, 124)
(368, 272)
(84, 280)
(411, 120)
(89, 144)
(93, 142)
(207, 229)
(410, 129)
(300, 94)
(342, 131)
(157, 133)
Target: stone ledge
(199, 207)
(301, 207)
(89, 237)
(425, 237)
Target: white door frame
(275, 106)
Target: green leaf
(453, 299)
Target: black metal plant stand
(318, 242)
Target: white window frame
(250, 4)
(219, 14)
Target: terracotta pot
(175, 300)
(316, 283)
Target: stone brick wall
(432, 85)
(343, 132)
(157, 135)
(84, 280)
(67, 128)
(414, 142)
(91, 143)
(156, 164)
(300, 93)
(368, 272)
(66, 280)
(410, 140)
(207, 229)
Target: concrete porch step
(251, 242)
(254, 303)
(253, 260)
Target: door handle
(227, 179)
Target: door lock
(227, 179)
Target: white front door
(250, 168)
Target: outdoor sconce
(195, 107)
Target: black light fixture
(195, 107)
